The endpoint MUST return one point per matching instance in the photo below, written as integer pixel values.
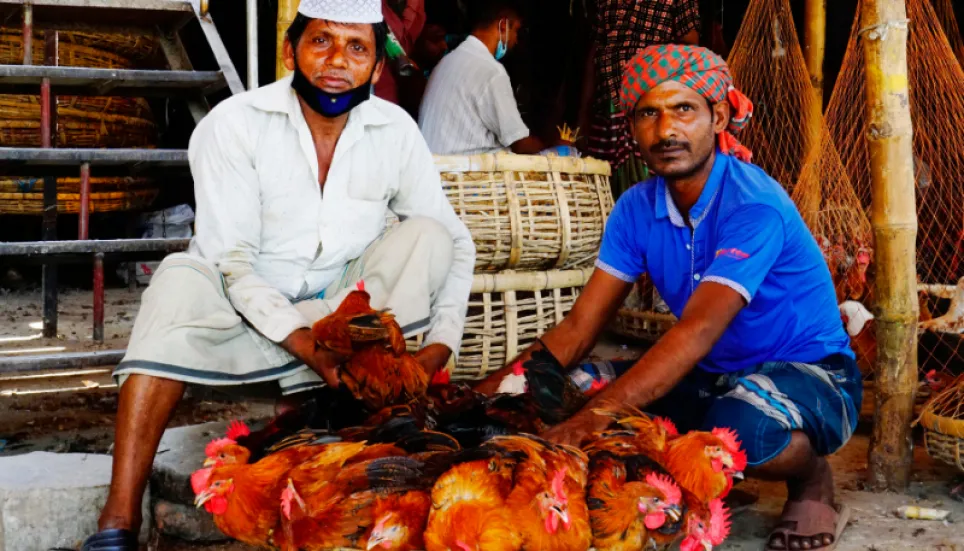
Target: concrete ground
(73, 412)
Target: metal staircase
(165, 20)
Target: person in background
(622, 28)
(406, 19)
(469, 107)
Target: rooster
(399, 521)
(548, 498)
(705, 463)
(243, 498)
(379, 371)
(627, 512)
(853, 285)
(706, 527)
(546, 380)
(469, 508)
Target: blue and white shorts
(766, 403)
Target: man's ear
(721, 116)
(288, 51)
(379, 67)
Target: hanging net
(768, 66)
(937, 109)
(943, 421)
(945, 13)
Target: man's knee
(763, 437)
(429, 238)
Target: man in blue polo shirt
(759, 346)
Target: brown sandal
(807, 522)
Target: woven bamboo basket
(81, 121)
(507, 312)
(638, 318)
(25, 195)
(529, 212)
(943, 420)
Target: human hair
(298, 26)
(483, 13)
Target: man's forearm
(659, 370)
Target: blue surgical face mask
(502, 48)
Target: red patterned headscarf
(694, 67)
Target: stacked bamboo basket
(537, 223)
(81, 121)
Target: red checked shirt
(623, 27)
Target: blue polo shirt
(746, 234)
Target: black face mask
(327, 104)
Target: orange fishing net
(937, 109)
(768, 66)
(945, 12)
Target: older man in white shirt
(294, 183)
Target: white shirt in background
(262, 217)
(469, 107)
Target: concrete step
(53, 500)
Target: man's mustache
(667, 144)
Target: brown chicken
(853, 283)
(327, 501)
(627, 513)
(548, 496)
(379, 371)
(399, 521)
(468, 508)
(705, 463)
(707, 526)
(243, 497)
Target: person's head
(676, 129)
(501, 18)
(335, 57)
(681, 105)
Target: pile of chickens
(441, 467)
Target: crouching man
(759, 346)
(293, 184)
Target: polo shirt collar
(280, 97)
(666, 207)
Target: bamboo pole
(894, 218)
(287, 9)
(815, 35)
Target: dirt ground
(74, 412)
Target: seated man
(469, 107)
(293, 182)
(759, 346)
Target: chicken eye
(656, 500)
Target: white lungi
(187, 330)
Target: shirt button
(696, 277)
(688, 246)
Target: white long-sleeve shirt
(276, 238)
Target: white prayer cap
(343, 11)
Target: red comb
(931, 374)
(214, 446)
(360, 285)
(441, 377)
(729, 438)
(719, 522)
(517, 369)
(200, 480)
(666, 485)
(557, 484)
(739, 460)
(667, 426)
(237, 429)
(463, 546)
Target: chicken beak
(373, 543)
(563, 516)
(727, 460)
(203, 498)
(674, 513)
(707, 545)
(210, 462)
(738, 475)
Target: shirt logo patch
(732, 253)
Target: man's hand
(433, 358)
(577, 429)
(301, 344)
